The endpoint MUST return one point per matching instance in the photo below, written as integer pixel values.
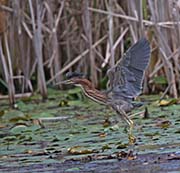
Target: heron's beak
(64, 82)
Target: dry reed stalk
(63, 37)
(10, 74)
(37, 40)
(164, 46)
(114, 47)
(86, 20)
(76, 59)
(159, 66)
(7, 68)
(109, 6)
(17, 96)
(170, 75)
(6, 64)
(3, 16)
(53, 53)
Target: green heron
(125, 82)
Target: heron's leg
(132, 138)
(124, 116)
(138, 113)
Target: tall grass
(43, 39)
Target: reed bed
(43, 39)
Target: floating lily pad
(14, 116)
(43, 132)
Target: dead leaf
(168, 102)
(102, 135)
(164, 124)
(79, 150)
(132, 157)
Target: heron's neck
(94, 94)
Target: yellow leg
(124, 116)
(132, 138)
(138, 113)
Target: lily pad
(14, 116)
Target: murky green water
(68, 127)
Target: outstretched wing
(125, 78)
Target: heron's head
(73, 78)
(77, 79)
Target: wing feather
(126, 76)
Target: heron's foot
(132, 139)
